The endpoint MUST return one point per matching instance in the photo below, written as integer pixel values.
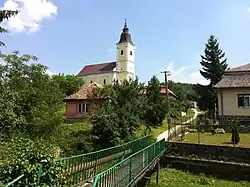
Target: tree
(68, 83)
(157, 104)
(214, 64)
(235, 132)
(5, 14)
(120, 115)
(30, 100)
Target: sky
(169, 34)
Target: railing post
(158, 171)
(130, 169)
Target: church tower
(125, 56)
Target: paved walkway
(177, 127)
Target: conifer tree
(214, 64)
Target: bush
(235, 133)
(22, 156)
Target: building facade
(121, 69)
(233, 93)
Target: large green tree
(68, 83)
(157, 104)
(30, 100)
(214, 64)
(120, 115)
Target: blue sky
(168, 34)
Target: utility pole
(166, 74)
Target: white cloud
(183, 74)
(248, 9)
(49, 72)
(31, 14)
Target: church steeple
(125, 35)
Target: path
(177, 127)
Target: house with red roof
(233, 92)
(83, 103)
(120, 69)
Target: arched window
(131, 53)
(121, 52)
(104, 81)
(91, 82)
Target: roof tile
(97, 68)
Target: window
(104, 81)
(91, 82)
(131, 53)
(121, 52)
(83, 108)
(244, 100)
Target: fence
(15, 181)
(83, 168)
(128, 170)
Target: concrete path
(177, 127)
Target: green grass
(176, 178)
(217, 139)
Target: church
(121, 69)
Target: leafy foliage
(68, 83)
(22, 156)
(31, 100)
(5, 14)
(120, 114)
(157, 103)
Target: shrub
(22, 156)
(235, 133)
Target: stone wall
(226, 123)
(221, 153)
(220, 161)
(224, 170)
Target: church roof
(125, 35)
(97, 68)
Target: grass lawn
(218, 139)
(176, 178)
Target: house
(233, 92)
(171, 94)
(120, 69)
(81, 104)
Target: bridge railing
(128, 170)
(14, 182)
(83, 168)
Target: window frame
(83, 108)
(122, 52)
(104, 82)
(243, 96)
(131, 53)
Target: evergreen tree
(157, 105)
(235, 132)
(213, 62)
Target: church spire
(125, 35)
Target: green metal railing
(82, 168)
(13, 183)
(128, 170)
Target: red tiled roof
(163, 91)
(97, 68)
(85, 92)
(245, 67)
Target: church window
(131, 53)
(104, 81)
(91, 82)
(121, 52)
